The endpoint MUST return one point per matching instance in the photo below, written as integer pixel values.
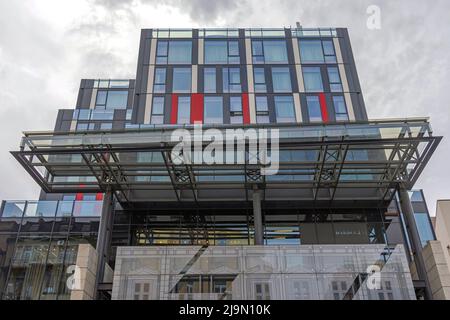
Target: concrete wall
(437, 270)
(442, 227)
(85, 273)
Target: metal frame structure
(95, 161)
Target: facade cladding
(338, 205)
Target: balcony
(48, 209)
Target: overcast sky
(47, 46)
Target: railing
(45, 208)
(385, 129)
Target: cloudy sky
(47, 46)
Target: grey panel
(167, 108)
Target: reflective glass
(311, 51)
(281, 80)
(210, 80)
(284, 109)
(340, 108)
(117, 100)
(314, 111)
(216, 52)
(213, 112)
(182, 80)
(275, 51)
(184, 110)
(180, 52)
(312, 79)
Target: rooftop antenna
(298, 25)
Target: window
(213, 112)
(141, 291)
(262, 291)
(281, 80)
(184, 110)
(312, 79)
(262, 110)
(106, 126)
(181, 80)
(317, 51)
(231, 80)
(314, 111)
(284, 109)
(209, 80)
(424, 227)
(259, 80)
(157, 111)
(339, 108)
(269, 51)
(111, 99)
(221, 52)
(335, 79)
(174, 52)
(159, 85)
(236, 110)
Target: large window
(157, 111)
(424, 228)
(312, 79)
(317, 51)
(284, 109)
(174, 52)
(209, 80)
(221, 52)
(314, 111)
(236, 115)
(269, 51)
(213, 112)
(159, 85)
(339, 108)
(184, 110)
(262, 110)
(281, 79)
(231, 80)
(259, 79)
(182, 80)
(111, 99)
(335, 79)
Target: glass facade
(39, 241)
(261, 273)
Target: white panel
(194, 78)
(248, 51)
(250, 78)
(337, 48)
(73, 125)
(148, 108)
(343, 76)
(296, 51)
(252, 107)
(150, 77)
(298, 109)
(348, 102)
(153, 51)
(200, 51)
(93, 99)
(301, 84)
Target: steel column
(104, 235)
(416, 245)
(257, 217)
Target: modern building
(307, 199)
(442, 226)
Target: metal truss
(394, 152)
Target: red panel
(197, 108)
(323, 107)
(79, 197)
(245, 108)
(174, 111)
(99, 196)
